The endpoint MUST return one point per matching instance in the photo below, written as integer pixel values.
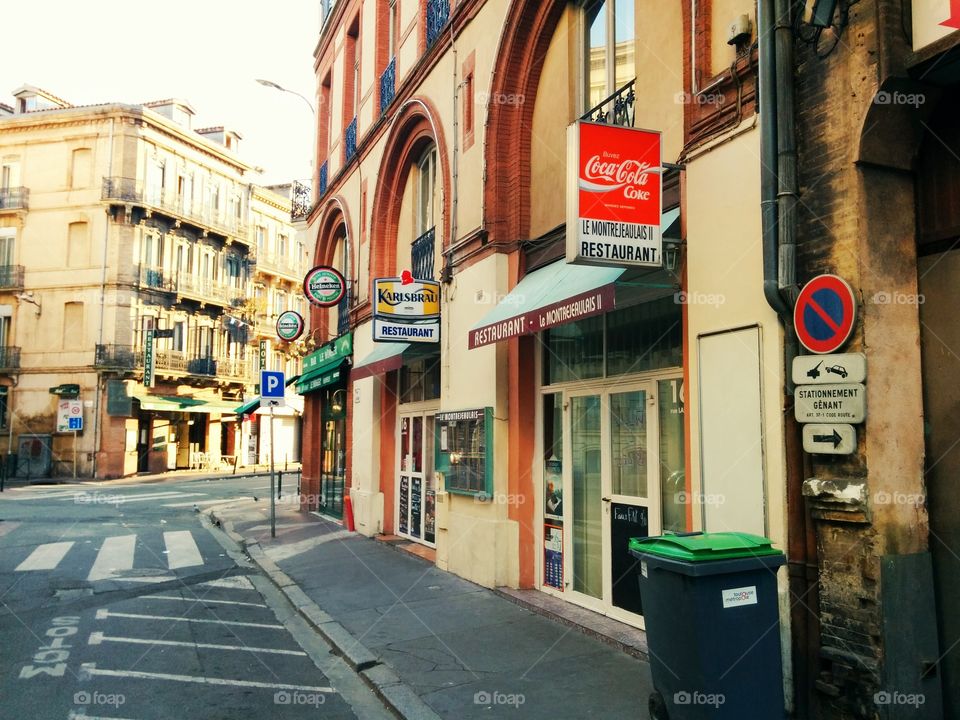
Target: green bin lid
(704, 547)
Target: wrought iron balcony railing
(128, 190)
(618, 109)
(343, 314)
(11, 277)
(322, 180)
(9, 359)
(302, 204)
(421, 255)
(291, 267)
(14, 198)
(350, 140)
(438, 12)
(388, 82)
(202, 366)
(116, 357)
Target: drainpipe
(779, 197)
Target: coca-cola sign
(614, 196)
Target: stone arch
(414, 127)
(334, 224)
(528, 30)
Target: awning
(383, 358)
(321, 376)
(553, 295)
(293, 406)
(248, 407)
(180, 403)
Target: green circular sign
(324, 286)
(289, 325)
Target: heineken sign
(289, 325)
(324, 286)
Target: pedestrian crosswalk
(115, 557)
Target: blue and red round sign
(825, 314)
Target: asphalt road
(120, 602)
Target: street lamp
(275, 86)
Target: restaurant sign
(614, 196)
(587, 304)
(406, 310)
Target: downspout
(103, 295)
(779, 197)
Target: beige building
(128, 241)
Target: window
(608, 48)
(3, 406)
(4, 331)
(392, 39)
(283, 248)
(78, 244)
(179, 336)
(72, 324)
(8, 238)
(426, 181)
(80, 166)
(420, 380)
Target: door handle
(605, 499)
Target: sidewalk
(430, 643)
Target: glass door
(416, 491)
(612, 480)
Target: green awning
(321, 377)
(248, 407)
(383, 358)
(553, 295)
(182, 403)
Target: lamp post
(275, 86)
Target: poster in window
(553, 488)
(553, 556)
(416, 510)
(404, 503)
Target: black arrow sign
(835, 439)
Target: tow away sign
(827, 369)
(845, 403)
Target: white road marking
(201, 600)
(159, 498)
(284, 552)
(45, 557)
(61, 494)
(109, 497)
(224, 501)
(146, 579)
(90, 669)
(97, 638)
(181, 549)
(104, 614)
(6, 527)
(115, 554)
(238, 582)
(83, 716)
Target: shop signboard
(614, 196)
(290, 325)
(933, 20)
(149, 360)
(406, 310)
(324, 286)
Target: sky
(208, 52)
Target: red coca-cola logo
(617, 172)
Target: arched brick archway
(414, 128)
(528, 31)
(334, 225)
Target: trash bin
(713, 625)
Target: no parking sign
(825, 314)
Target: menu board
(463, 449)
(429, 516)
(404, 503)
(416, 511)
(626, 521)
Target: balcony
(130, 192)
(618, 109)
(276, 265)
(11, 277)
(388, 83)
(115, 357)
(322, 180)
(421, 255)
(301, 202)
(202, 366)
(14, 198)
(350, 141)
(152, 278)
(9, 359)
(206, 290)
(438, 12)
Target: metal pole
(273, 496)
(74, 454)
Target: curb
(381, 678)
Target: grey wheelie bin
(713, 628)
